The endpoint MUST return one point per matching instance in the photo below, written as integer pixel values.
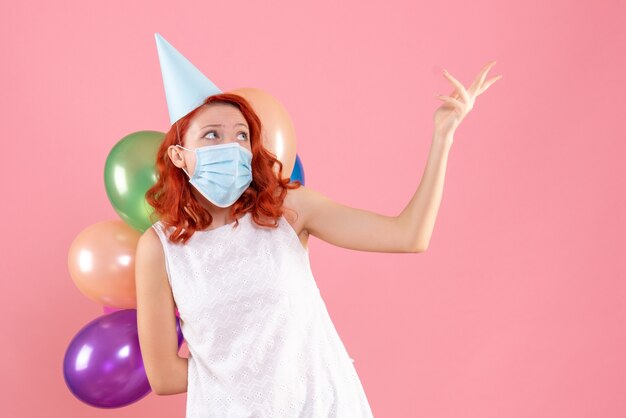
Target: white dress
(261, 342)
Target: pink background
(516, 309)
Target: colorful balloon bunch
(102, 365)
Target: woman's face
(217, 123)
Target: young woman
(229, 251)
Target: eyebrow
(216, 124)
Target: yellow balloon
(101, 261)
(279, 136)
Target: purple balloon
(103, 365)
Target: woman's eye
(214, 133)
(210, 132)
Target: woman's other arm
(412, 229)
(364, 230)
(156, 319)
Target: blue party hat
(185, 86)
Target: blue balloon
(103, 366)
(298, 171)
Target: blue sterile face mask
(223, 172)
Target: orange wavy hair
(175, 205)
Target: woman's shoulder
(149, 239)
(294, 208)
(149, 250)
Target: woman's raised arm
(412, 229)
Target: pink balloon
(101, 261)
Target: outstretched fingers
(463, 100)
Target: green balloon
(129, 172)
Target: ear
(176, 156)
